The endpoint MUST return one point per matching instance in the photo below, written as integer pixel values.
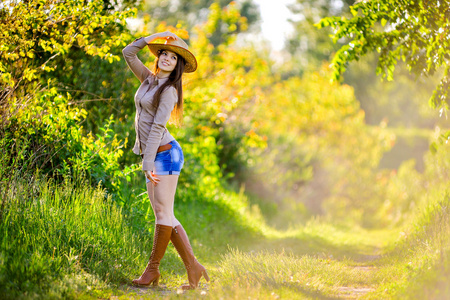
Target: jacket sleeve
(135, 64)
(169, 99)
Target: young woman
(161, 93)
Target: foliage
(49, 139)
(411, 31)
(398, 103)
(40, 124)
(35, 32)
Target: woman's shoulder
(169, 94)
(170, 90)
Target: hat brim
(191, 61)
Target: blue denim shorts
(170, 161)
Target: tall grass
(50, 232)
(432, 240)
(421, 258)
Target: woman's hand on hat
(152, 177)
(169, 35)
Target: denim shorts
(170, 161)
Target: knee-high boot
(160, 241)
(194, 269)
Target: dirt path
(160, 292)
(356, 292)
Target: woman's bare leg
(162, 197)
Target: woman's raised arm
(135, 64)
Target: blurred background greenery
(270, 142)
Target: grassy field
(71, 240)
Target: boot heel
(206, 276)
(156, 282)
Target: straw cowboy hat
(180, 47)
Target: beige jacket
(150, 122)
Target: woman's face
(167, 61)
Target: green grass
(70, 240)
(418, 266)
(62, 239)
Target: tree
(399, 103)
(415, 32)
(35, 33)
(39, 124)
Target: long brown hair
(175, 80)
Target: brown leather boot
(160, 241)
(194, 269)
